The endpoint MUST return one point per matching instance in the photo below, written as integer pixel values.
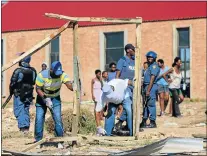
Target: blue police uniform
(150, 106)
(21, 86)
(126, 67)
(111, 76)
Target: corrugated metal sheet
(182, 145)
(168, 146)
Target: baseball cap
(107, 89)
(57, 68)
(129, 46)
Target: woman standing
(174, 86)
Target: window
(55, 50)
(184, 54)
(114, 47)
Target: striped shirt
(51, 86)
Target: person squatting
(157, 79)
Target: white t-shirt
(176, 80)
(119, 93)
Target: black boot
(118, 125)
(143, 123)
(152, 124)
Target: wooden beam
(96, 19)
(37, 47)
(10, 152)
(139, 75)
(76, 113)
(54, 139)
(111, 138)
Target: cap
(57, 68)
(129, 46)
(107, 89)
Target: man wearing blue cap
(21, 86)
(150, 90)
(48, 85)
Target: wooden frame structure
(137, 88)
(73, 21)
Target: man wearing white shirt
(114, 98)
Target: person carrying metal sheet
(48, 85)
(21, 86)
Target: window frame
(113, 48)
(102, 41)
(176, 48)
(48, 52)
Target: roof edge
(92, 25)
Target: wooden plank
(136, 87)
(96, 19)
(54, 139)
(37, 47)
(76, 81)
(35, 145)
(111, 138)
(17, 153)
(138, 74)
(200, 135)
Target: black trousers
(175, 102)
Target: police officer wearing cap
(150, 91)
(125, 70)
(21, 86)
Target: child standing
(96, 85)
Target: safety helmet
(151, 54)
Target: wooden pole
(37, 47)
(138, 65)
(96, 19)
(135, 93)
(76, 113)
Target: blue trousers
(124, 113)
(21, 112)
(150, 106)
(41, 110)
(110, 119)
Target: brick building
(169, 28)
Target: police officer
(150, 90)
(21, 85)
(125, 70)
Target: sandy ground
(193, 115)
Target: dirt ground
(192, 122)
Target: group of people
(112, 92)
(47, 84)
